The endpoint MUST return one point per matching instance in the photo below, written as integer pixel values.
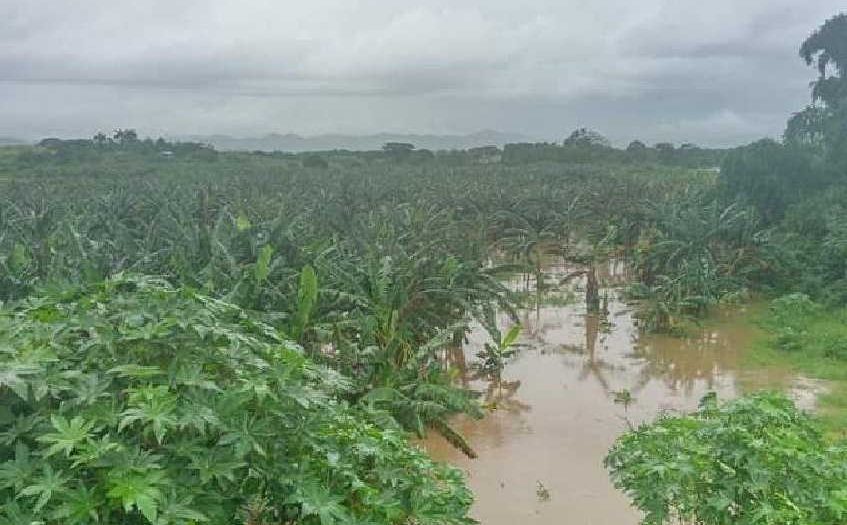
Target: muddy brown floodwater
(554, 414)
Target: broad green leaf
(138, 491)
(511, 336)
(45, 486)
(307, 296)
(242, 223)
(263, 264)
(68, 435)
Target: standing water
(576, 383)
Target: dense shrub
(798, 324)
(753, 461)
(770, 176)
(134, 402)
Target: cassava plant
(756, 460)
(135, 402)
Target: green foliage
(770, 176)
(588, 147)
(775, 222)
(307, 297)
(137, 400)
(809, 248)
(134, 402)
(697, 252)
(810, 338)
(755, 460)
(494, 356)
(315, 161)
(586, 138)
(826, 123)
(263, 264)
(798, 324)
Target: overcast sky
(715, 72)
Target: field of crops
(205, 336)
(194, 336)
(159, 305)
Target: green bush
(133, 402)
(789, 340)
(803, 326)
(753, 461)
(835, 346)
(789, 308)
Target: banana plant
(494, 355)
(307, 298)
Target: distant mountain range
(297, 143)
(10, 141)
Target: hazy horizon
(716, 74)
(351, 141)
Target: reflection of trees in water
(614, 273)
(592, 365)
(685, 363)
(455, 359)
(500, 395)
(682, 364)
(536, 327)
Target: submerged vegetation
(191, 336)
(337, 290)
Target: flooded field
(576, 383)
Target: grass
(811, 340)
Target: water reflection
(552, 412)
(500, 395)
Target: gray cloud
(714, 72)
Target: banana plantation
(196, 339)
(265, 338)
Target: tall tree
(823, 123)
(827, 49)
(584, 137)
